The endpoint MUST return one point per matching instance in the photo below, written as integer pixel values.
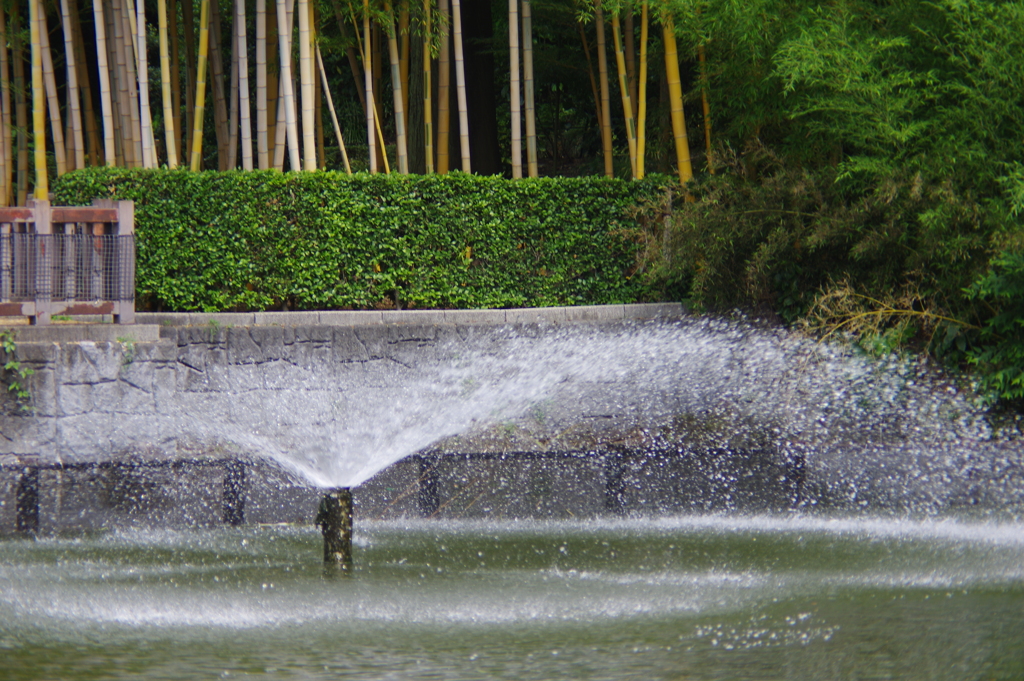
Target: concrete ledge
(77, 333)
(529, 315)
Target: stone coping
(536, 315)
(149, 324)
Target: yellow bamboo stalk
(74, 106)
(262, 140)
(606, 108)
(641, 104)
(531, 111)
(42, 187)
(200, 97)
(306, 84)
(627, 102)
(398, 96)
(330, 107)
(428, 113)
(106, 105)
(675, 92)
(243, 85)
(165, 86)
(191, 54)
(444, 76)
(53, 104)
(514, 88)
(460, 86)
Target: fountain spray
(334, 517)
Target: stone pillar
(335, 520)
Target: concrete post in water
(335, 520)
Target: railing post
(125, 305)
(40, 269)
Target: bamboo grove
(130, 83)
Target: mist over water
(887, 432)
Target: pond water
(684, 597)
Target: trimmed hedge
(259, 240)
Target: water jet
(629, 497)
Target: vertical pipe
(335, 520)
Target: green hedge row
(264, 240)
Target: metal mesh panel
(77, 267)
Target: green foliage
(1000, 354)
(16, 374)
(264, 240)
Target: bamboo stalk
(165, 86)
(200, 98)
(127, 100)
(444, 97)
(285, 16)
(606, 109)
(428, 106)
(175, 73)
(460, 86)
(20, 105)
(74, 107)
(306, 86)
(330, 106)
(232, 148)
(629, 31)
(396, 89)
(262, 140)
(403, 58)
(7, 175)
(42, 187)
(106, 105)
(641, 103)
(531, 109)
(220, 97)
(188, 19)
(627, 104)
(50, 87)
(676, 98)
(85, 88)
(122, 125)
(272, 71)
(243, 85)
(371, 142)
(318, 107)
(514, 89)
(148, 151)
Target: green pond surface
(686, 597)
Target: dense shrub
(264, 240)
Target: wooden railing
(63, 260)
